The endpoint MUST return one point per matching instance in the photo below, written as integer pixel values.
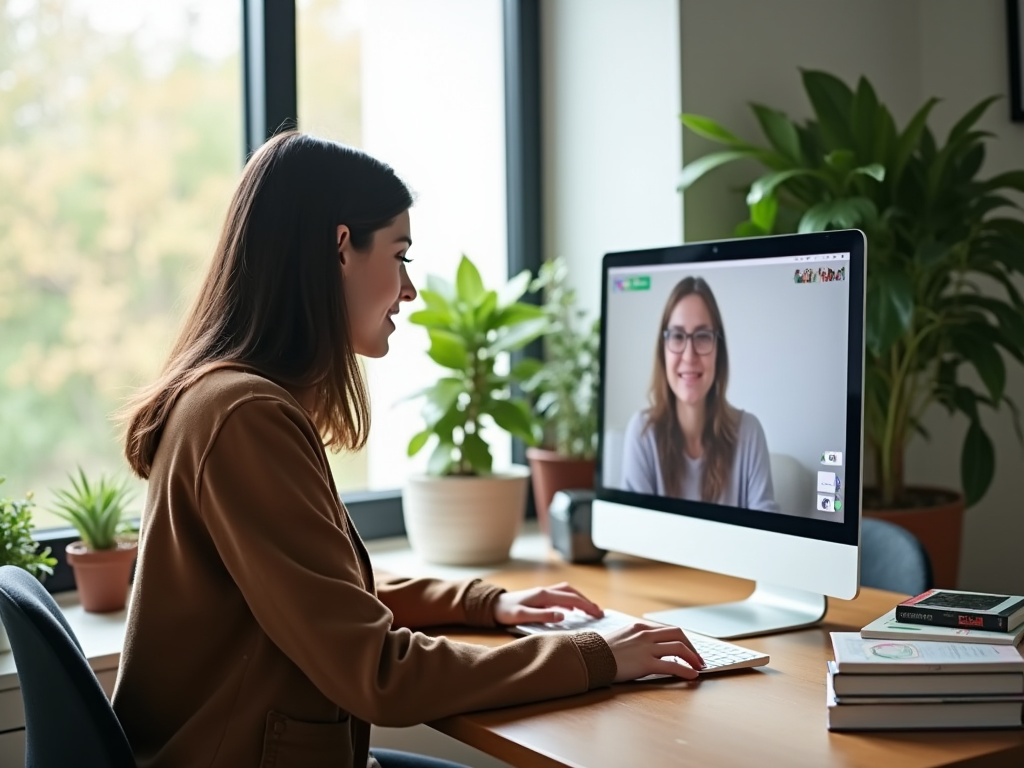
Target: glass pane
(120, 144)
(419, 85)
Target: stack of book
(943, 659)
(907, 685)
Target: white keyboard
(718, 655)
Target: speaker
(569, 525)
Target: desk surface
(775, 716)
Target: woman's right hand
(638, 650)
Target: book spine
(916, 614)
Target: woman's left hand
(542, 605)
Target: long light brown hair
(721, 425)
(273, 297)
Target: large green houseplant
(564, 390)
(942, 261)
(462, 511)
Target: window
(120, 145)
(420, 86)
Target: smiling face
(375, 283)
(690, 375)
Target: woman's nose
(408, 292)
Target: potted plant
(103, 558)
(942, 265)
(17, 547)
(564, 389)
(462, 511)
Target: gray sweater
(750, 484)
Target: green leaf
(709, 129)
(440, 398)
(977, 463)
(517, 313)
(876, 171)
(1007, 180)
(908, 140)
(831, 99)
(702, 165)
(518, 336)
(470, 285)
(484, 312)
(985, 358)
(781, 132)
(514, 289)
(766, 185)
(965, 123)
(841, 160)
(864, 118)
(845, 213)
(418, 441)
(439, 287)
(762, 213)
(512, 418)
(890, 307)
(527, 368)
(432, 318)
(749, 229)
(476, 452)
(448, 349)
(440, 460)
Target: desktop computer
(730, 420)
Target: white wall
(611, 148)
(737, 51)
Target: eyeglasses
(703, 340)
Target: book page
(851, 647)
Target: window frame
(270, 104)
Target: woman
(690, 443)
(258, 634)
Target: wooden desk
(773, 717)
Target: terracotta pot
(102, 575)
(938, 525)
(553, 472)
(465, 520)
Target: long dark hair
(273, 297)
(721, 425)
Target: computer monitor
(730, 420)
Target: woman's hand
(638, 650)
(542, 605)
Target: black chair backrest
(68, 718)
(892, 558)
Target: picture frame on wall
(1015, 32)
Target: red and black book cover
(967, 610)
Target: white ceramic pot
(465, 520)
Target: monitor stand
(769, 609)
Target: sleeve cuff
(479, 603)
(601, 666)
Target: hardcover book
(970, 610)
(887, 628)
(855, 655)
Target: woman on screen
(690, 443)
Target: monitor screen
(731, 384)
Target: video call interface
(726, 382)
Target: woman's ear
(344, 241)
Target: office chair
(892, 558)
(68, 718)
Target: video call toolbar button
(828, 482)
(832, 458)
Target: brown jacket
(256, 636)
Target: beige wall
(737, 51)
